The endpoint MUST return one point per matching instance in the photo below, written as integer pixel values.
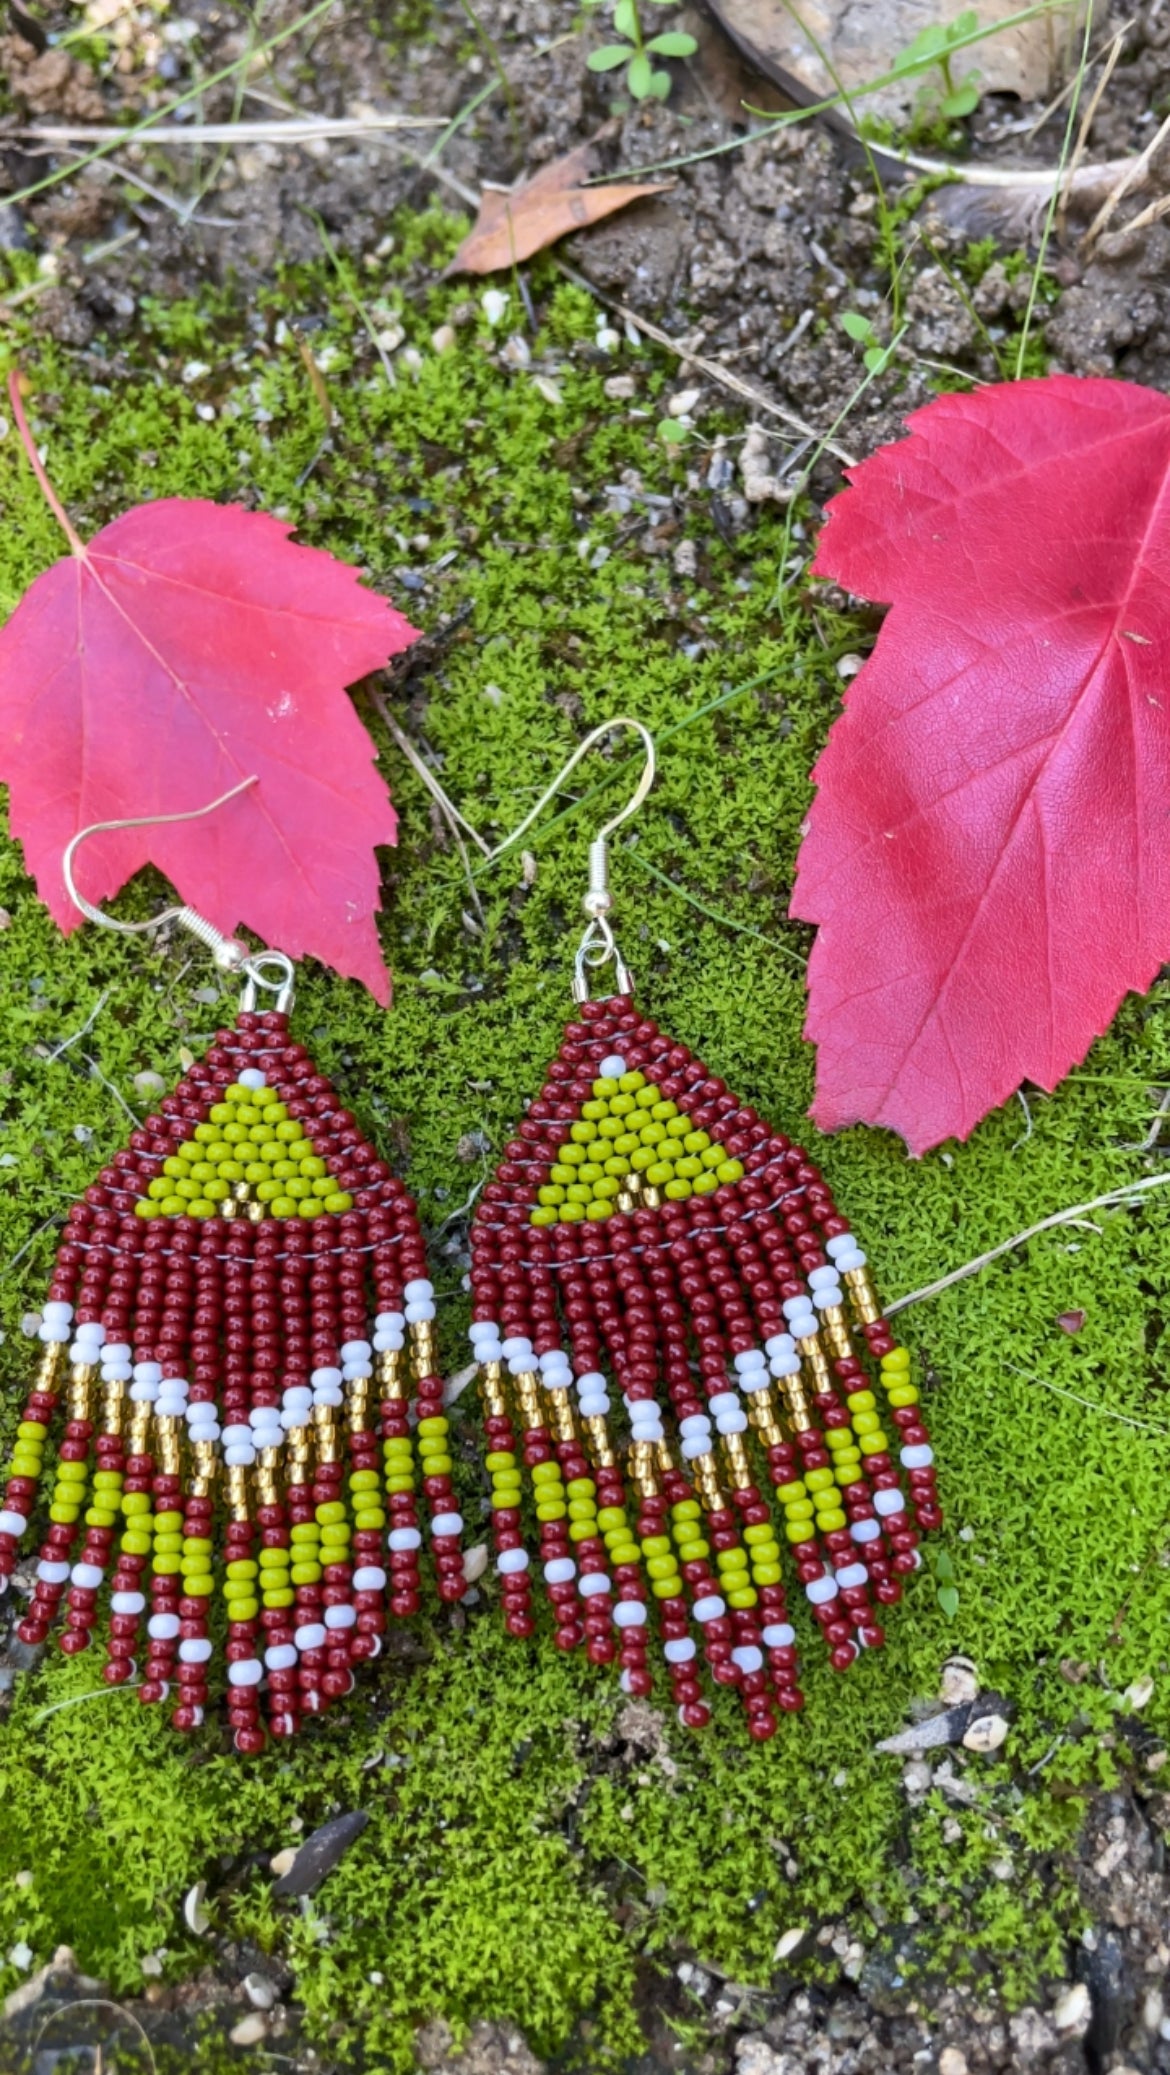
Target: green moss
(510, 1868)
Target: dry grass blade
(713, 369)
(300, 129)
(1133, 175)
(1115, 50)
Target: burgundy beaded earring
(227, 1302)
(645, 1229)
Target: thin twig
(94, 2003)
(355, 300)
(30, 1242)
(185, 213)
(1050, 212)
(1087, 123)
(77, 1700)
(743, 929)
(97, 1075)
(1124, 1196)
(446, 806)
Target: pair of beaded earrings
(240, 1334)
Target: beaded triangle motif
(239, 1325)
(649, 1240)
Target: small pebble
(149, 1083)
(30, 1324)
(475, 1562)
(516, 351)
(261, 1992)
(443, 339)
(1139, 1694)
(546, 387)
(986, 1734)
(250, 2030)
(1073, 2008)
(281, 1863)
(194, 1914)
(20, 1956)
(683, 403)
(952, 2061)
(608, 340)
(494, 303)
(787, 1942)
(195, 371)
(959, 1681)
(620, 388)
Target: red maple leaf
(188, 646)
(988, 856)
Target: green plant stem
(1050, 212)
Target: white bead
(88, 1575)
(679, 1650)
(248, 1672)
(695, 1444)
(252, 1077)
(55, 1574)
(488, 1351)
(370, 1578)
(853, 1574)
(310, 1637)
(447, 1524)
(388, 1340)
(696, 1424)
(560, 1570)
(116, 1371)
(828, 1297)
(917, 1458)
(418, 1291)
(755, 1380)
(886, 1502)
(203, 1431)
(143, 1393)
(779, 1635)
(751, 1358)
(173, 1379)
(840, 1244)
(748, 1658)
(56, 1336)
(163, 1628)
(865, 1530)
(558, 1379)
(280, 1657)
(57, 1314)
(804, 1324)
(518, 1345)
(734, 1422)
(612, 1068)
(630, 1613)
(821, 1591)
(170, 1408)
(13, 1524)
(262, 1415)
(340, 1617)
(325, 1379)
(853, 1259)
(356, 1350)
(329, 1394)
(298, 1416)
(93, 1331)
(405, 1538)
(297, 1394)
(781, 1344)
(148, 1372)
(237, 1434)
(481, 1328)
(723, 1401)
(709, 1608)
(195, 1650)
(393, 1322)
(647, 1423)
(267, 1437)
(127, 1603)
(593, 1380)
(511, 1560)
(239, 1458)
(355, 1370)
(553, 1358)
(521, 1365)
(594, 1404)
(594, 1582)
(822, 1278)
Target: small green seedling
(638, 51)
(946, 99)
(673, 431)
(944, 1578)
(861, 330)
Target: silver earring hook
(598, 946)
(228, 952)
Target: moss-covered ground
(510, 1868)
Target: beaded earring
(227, 1300)
(646, 1229)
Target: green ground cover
(509, 1867)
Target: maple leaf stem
(38, 467)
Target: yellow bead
(100, 1516)
(305, 1531)
(243, 1610)
(798, 1509)
(817, 1480)
(678, 1190)
(898, 1358)
(799, 1531)
(861, 1401)
(550, 1509)
(331, 1513)
(166, 1566)
(274, 1559)
(767, 1573)
(542, 1216)
(546, 1473)
(622, 1553)
(284, 1207)
(873, 1444)
(394, 1485)
(500, 1459)
(305, 1573)
(900, 1394)
(243, 1567)
(281, 1598)
(661, 1567)
(599, 1208)
(786, 1493)
(743, 1596)
(195, 1588)
(550, 1196)
(570, 1213)
(133, 1543)
(832, 1523)
(667, 1588)
(144, 1208)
